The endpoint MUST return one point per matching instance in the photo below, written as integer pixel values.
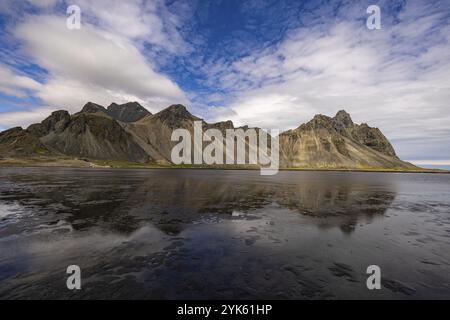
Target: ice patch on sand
(8, 209)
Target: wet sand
(167, 234)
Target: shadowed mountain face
(91, 133)
(370, 137)
(95, 136)
(18, 142)
(128, 132)
(127, 112)
(57, 122)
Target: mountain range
(129, 132)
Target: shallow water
(223, 234)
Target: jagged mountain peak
(92, 107)
(321, 118)
(343, 117)
(126, 104)
(127, 112)
(12, 130)
(129, 105)
(57, 121)
(319, 121)
(228, 123)
(222, 125)
(174, 112)
(341, 120)
(59, 114)
(178, 108)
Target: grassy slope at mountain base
(85, 163)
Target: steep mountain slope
(337, 142)
(370, 137)
(153, 133)
(17, 142)
(90, 133)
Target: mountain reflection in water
(222, 234)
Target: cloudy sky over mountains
(271, 64)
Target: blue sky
(265, 63)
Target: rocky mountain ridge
(128, 132)
(337, 142)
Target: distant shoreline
(98, 164)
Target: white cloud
(90, 64)
(147, 21)
(16, 85)
(24, 118)
(43, 3)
